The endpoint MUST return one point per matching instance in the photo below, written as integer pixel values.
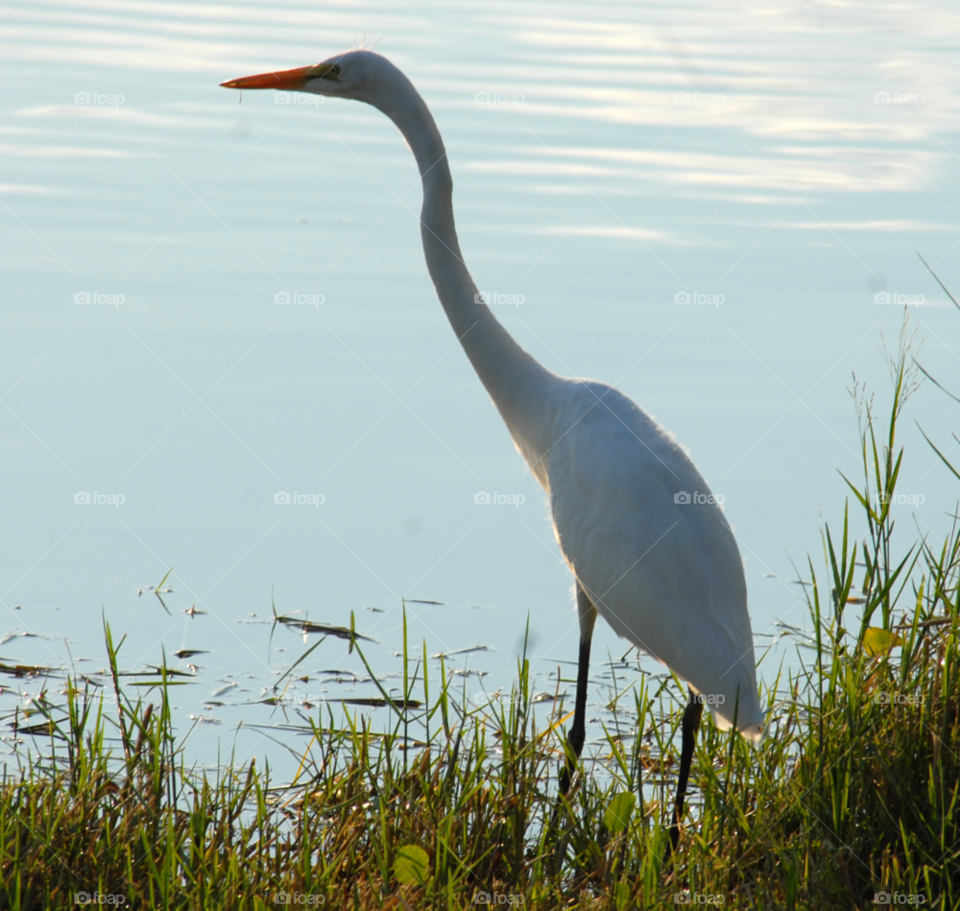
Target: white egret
(649, 547)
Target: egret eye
(324, 71)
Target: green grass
(848, 795)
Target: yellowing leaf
(621, 894)
(617, 816)
(879, 641)
(411, 865)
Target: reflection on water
(224, 355)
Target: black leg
(578, 732)
(691, 722)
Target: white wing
(664, 573)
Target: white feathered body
(641, 531)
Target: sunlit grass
(854, 791)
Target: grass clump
(854, 794)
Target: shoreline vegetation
(851, 800)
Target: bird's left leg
(691, 722)
(578, 733)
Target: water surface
(609, 162)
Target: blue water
(607, 160)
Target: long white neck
(516, 381)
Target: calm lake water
(776, 166)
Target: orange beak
(289, 80)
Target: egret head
(357, 75)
